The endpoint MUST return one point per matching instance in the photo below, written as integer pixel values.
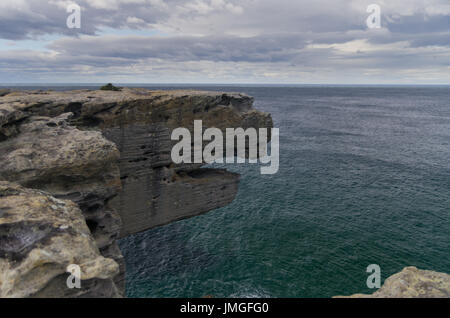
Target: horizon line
(218, 83)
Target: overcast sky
(225, 41)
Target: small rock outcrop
(412, 283)
(39, 237)
(109, 87)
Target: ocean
(364, 179)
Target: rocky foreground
(412, 283)
(80, 169)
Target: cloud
(226, 40)
(183, 48)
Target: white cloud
(134, 20)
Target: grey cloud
(418, 23)
(40, 17)
(234, 39)
(255, 49)
(186, 17)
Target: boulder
(412, 283)
(40, 236)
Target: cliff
(412, 283)
(106, 154)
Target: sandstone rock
(413, 283)
(104, 109)
(39, 237)
(82, 166)
(51, 155)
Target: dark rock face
(164, 196)
(109, 152)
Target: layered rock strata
(109, 152)
(139, 122)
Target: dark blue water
(364, 178)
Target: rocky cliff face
(412, 283)
(109, 153)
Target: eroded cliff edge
(109, 153)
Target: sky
(225, 41)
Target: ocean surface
(364, 179)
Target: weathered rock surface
(48, 154)
(412, 283)
(39, 237)
(69, 144)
